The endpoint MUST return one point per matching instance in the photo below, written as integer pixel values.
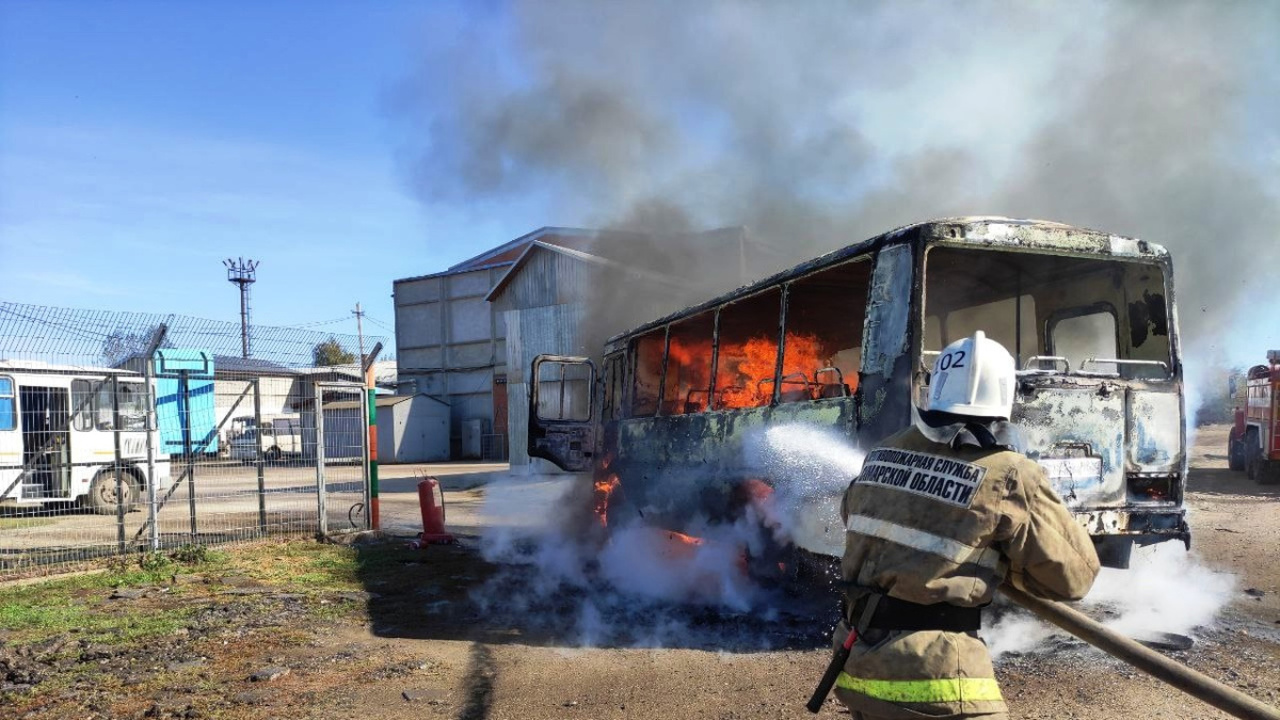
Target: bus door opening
(46, 440)
(561, 393)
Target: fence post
(153, 423)
(321, 487)
(369, 465)
(184, 392)
(115, 426)
(262, 480)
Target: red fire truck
(1254, 445)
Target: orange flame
(745, 376)
(686, 539)
(605, 488)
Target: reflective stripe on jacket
(929, 523)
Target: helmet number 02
(951, 360)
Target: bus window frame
(633, 350)
(712, 405)
(666, 362)
(12, 397)
(786, 308)
(920, 296)
(82, 420)
(1058, 316)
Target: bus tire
(102, 492)
(272, 455)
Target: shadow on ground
(1223, 482)
(449, 592)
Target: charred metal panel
(676, 468)
(885, 388)
(1154, 431)
(1082, 421)
(888, 311)
(569, 448)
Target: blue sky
(142, 142)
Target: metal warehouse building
(468, 335)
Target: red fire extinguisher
(433, 532)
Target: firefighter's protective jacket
(931, 523)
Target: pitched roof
(586, 257)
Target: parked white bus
(281, 438)
(58, 428)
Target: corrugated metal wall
(542, 316)
(547, 278)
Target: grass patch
(19, 523)
(32, 617)
(80, 604)
(48, 619)
(304, 565)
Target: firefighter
(941, 514)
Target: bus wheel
(272, 455)
(102, 492)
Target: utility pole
(359, 331)
(243, 273)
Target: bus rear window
(1052, 312)
(1090, 335)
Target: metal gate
(342, 456)
(224, 468)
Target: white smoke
(650, 562)
(811, 466)
(1165, 590)
(635, 585)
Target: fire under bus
(672, 424)
(1254, 443)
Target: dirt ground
(380, 631)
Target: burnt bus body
(672, 424)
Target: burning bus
(844, 344)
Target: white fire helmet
(974, 377)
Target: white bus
(281, 438)
(58, 427)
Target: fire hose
(1196, 684)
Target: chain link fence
(126, 432)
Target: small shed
(412, 428)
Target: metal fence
(494, 447)
(126, 432)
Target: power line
(378, 322)
(318, 323)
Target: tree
(121, 344)
(330, 352)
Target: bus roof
(978, 230)
(38, 366)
